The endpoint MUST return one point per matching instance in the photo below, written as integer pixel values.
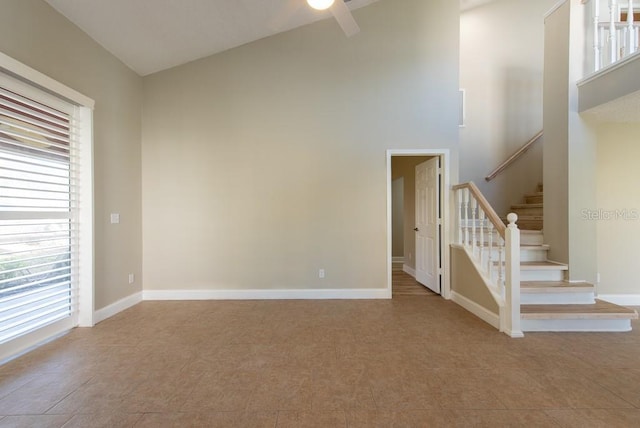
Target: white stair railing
(495, 250)
(613, 38)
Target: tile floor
(408, 362)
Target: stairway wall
(503, 86)
(467, 282)
(569, 148)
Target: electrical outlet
(115, 218)
(320, 273)
(132, 278)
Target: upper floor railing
(614, 30)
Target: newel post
(512, 278)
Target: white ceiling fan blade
(344, 17)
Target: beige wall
(397, 217)
(570, 147)
(466, 281)
(35, 34)
(405, 166)
(618, 211)
(556, 119)
(267, 162)
(501, 67)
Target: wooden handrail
(484, 204)
(522, 150)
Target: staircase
(548, 301)
(530, 213)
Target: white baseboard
(409, 270)
(583, 325)
(119, 306)
(300, 294)
(479, 311)
(397, 259)
(621, 299)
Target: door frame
(444, 155)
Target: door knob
(416, 229)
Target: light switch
(115, 218)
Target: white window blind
(38, 242)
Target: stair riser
(533, 254)
(530, 224)
(531, 239)
(576, 325)
(528, 211)
(526, 254)
(584, 298)
(542, 275)
(534, 199)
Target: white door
(427, 227)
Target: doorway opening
(417, 226)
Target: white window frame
(85, 105)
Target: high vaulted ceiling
(153, 35)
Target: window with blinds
(38, 253)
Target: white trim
(397, 259)
(26, 73)
(479, 311)
(22, 344)
(444, 155)
(609, 68)
(409, 270)
(621, 299)
(554, 8)
(299, 294)
(86, 236)
(117, 307)
(577, 325)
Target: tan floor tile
(399, 361)
(513, 388)
(224, 391)
(40, 421)
(38, 395)
(104, 393)
(342, 386)
(576, 389)
(159, 392)
(282, 389)
(107, 420)
(509, 418)
(406, 419)
(401, 390)
(625, 383)
(208, 420)
(335, 419)
(596, 418)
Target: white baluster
(460, 208)
(596, 35)
(613, 43)
(481, 242)
(631, 34)
(474, 217)
(465, 205)
(490, 250)
(501, 266)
